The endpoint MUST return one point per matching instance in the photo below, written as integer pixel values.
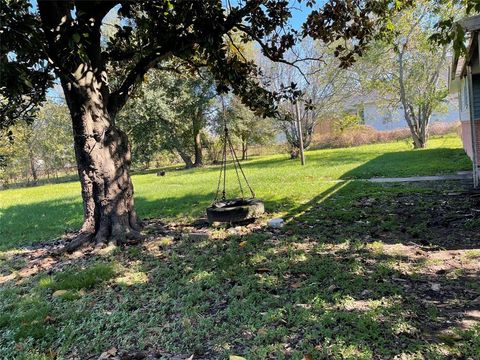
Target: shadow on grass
(411, 163)
(22, 225)
(300, 291)
(322, 286)
(28, 224)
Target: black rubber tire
(235, 210)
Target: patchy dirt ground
(362, 272)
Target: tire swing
(235, 210)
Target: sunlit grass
(328, 285)
(31, 215)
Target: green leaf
(76, 37)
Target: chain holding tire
(228, 147)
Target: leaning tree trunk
(103, 160)
(185, 157)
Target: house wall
(463, 108)
(466, 132)
(464, 112)
(476, 96)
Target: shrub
(363, 134)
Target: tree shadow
(338, 281)
(287, 293)
(411, 163)
(23, 225)
(399, 163)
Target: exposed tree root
(126, 235)
(81, 239)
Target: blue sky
(299, 15)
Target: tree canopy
(100, 69)
(195, 33)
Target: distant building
(372, 112)
(465, 81)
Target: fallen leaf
(108, 354)
(435, 286)
(307, 357)
(235, 357)
(59, 293)
(262, 331)
(242, 244)
(296, 285)
(333, 287)
(262, 270)
(48, 319)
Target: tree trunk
(419, 135)
(244, 150)
(198, 150)
(33, 169)
(418, 141)
(103, 161)
(197, 139)
(186, 158)
(294, 153)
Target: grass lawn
(360, 271)
(36, 214)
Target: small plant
(472, 224)
(79, 279)
(346, 122)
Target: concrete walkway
(461, 175)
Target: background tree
(169, 113)
(244, 126)
(410, 72)
(42, 147)
(68, 36)
(321, 87)
(25, 74)
(56, 152)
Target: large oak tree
(63, 39)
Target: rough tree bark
(101, 149)
(103, 161)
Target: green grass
(326, 286)
(323, 286)
(77, 279)
(31, 215)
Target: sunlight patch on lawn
(130, 278)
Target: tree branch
(266, 52)
(119, 97)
